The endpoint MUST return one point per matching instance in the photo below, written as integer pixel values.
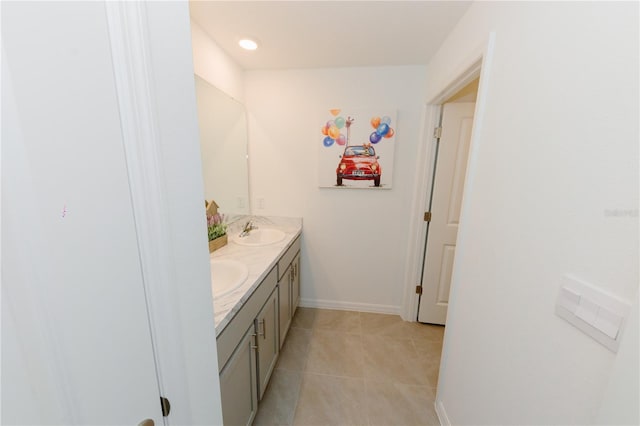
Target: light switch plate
(592, 310)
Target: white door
(448, 185)
(76, 343)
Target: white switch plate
(595, 312)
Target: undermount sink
(226, 276)
(260, 237)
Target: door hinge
(166, 406)
(437, 132)
(418, 289)
(427, 216)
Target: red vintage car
(359, 162)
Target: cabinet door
(268, 343)
(295, 284)
(284, 288)
(238, 384)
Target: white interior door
(448, 186)
(76, 343)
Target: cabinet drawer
(287, 257)
(233, 332)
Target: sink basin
(226, 276)
(260, 237)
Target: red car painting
(359, 162)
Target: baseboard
(349, 306)
(442, 413)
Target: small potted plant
(216, 226)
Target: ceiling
(329, 34)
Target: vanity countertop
(259, 261)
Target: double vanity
(256, 290)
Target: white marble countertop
(259, 261)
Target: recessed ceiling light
(248, 44)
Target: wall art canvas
(356, 148)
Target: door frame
(476, 63)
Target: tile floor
(354, 368)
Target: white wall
(214, 65)
(555, 158)
(353, 240)
(620, 403)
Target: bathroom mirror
(223, 143)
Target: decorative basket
(217, 243)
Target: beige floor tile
(329, 400)
(335, 353)
(430, 332)
(394, 360)
(280, 398)
(329, 319)
(346, 321)
(429, 355)
(432, 350)
(398, 404)
(354, 368)
(293, 355)
(432, 371)
(304, 318)
(393, 325)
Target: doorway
(452, 140)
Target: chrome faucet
(248, 227)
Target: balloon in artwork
(375, 137)
(382, 129)
(328, 141)
(390, 133)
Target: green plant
(216, 226)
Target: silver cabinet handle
(253, 340)
(261, 329)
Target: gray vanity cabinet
(249, 345)
(238, 383)
(247, 351)
(267, 341)
(288, 287)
